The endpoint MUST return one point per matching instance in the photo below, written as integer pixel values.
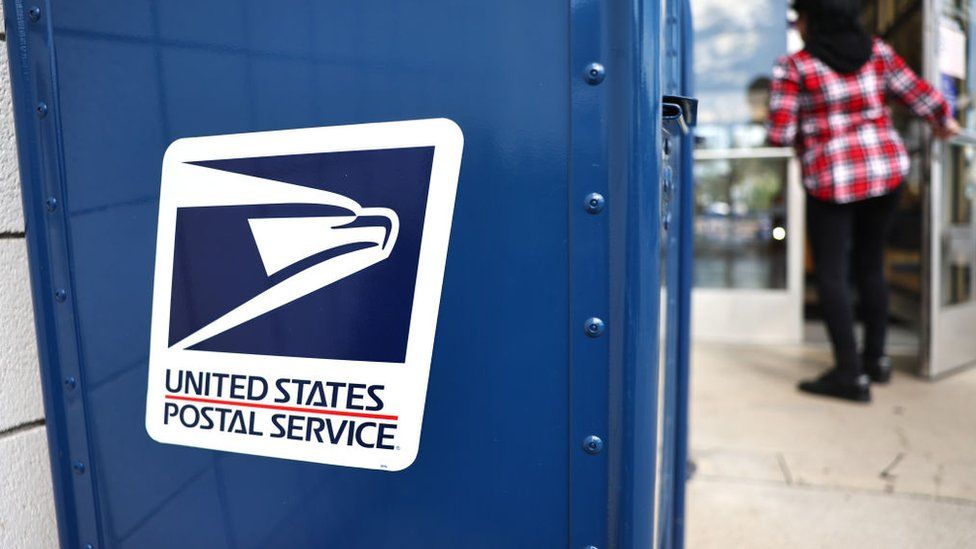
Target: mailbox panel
(537, 418)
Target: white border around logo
(183, 185)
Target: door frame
(947, 344)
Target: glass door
(748, 223)
(953, 324)
(951, 258)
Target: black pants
(840, 234)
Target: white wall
(26, 496)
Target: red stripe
(284, 408)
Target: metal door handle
(683, 110)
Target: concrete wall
(26, 497)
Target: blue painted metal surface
(592, 78)
(677, 247)
(686, 262)
(516, 384)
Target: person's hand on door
(948, 131)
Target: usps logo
(297, 284)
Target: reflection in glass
(740, 223)
(740, 206)
(958, 239)
(736, 45)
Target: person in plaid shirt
(828, 102)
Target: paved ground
(780, 469)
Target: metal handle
(683, 110)
(965, 137)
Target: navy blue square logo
(234, 258)
(297, 287)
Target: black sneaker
(832, 385)
(878, 369)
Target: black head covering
(834, 33)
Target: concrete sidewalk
(777, 468)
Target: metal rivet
(41, 109)
(590, 547)
(79, 467)
(594, 203)
(594, 327)
(592, 444)
(34, 13)
(89, 546)
(60, 295)
(595, 73)
(51, 203)
(70, 382)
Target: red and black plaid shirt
(839, 123)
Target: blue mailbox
(361, 274)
